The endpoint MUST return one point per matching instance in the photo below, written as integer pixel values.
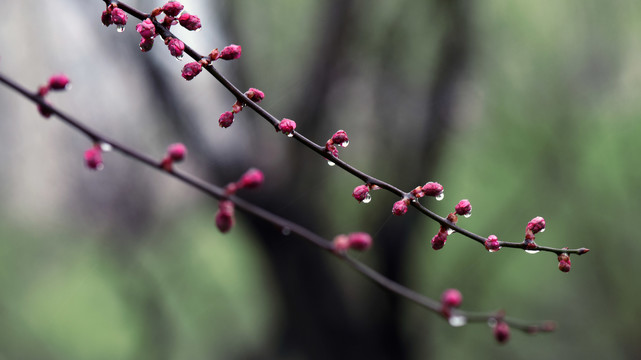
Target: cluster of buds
(463, 208)
(338, 139)
(535, 226)
(251, 179)
(175, 153)
(114, 15)
(430, 189)
(227, 118)
(194, 68)
(358, 241)
(450, 298)
(57, 83)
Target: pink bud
(106, 18)
(400, 207)
(340, 138)
(58, 82)
(536, 225)
(341, 243)
(360, 241)
(287, 126)
(146, 29)
(492, 243)
(176, 47)
(93, 158)
(177, 152)
(501, 332)
(433, 189)
(226, 119)
(564, 262)
(230, 52)
(237, 107)
(146, 44)
(360, 192)
(172, 8)
(118, 17)
(189, 22)
(438, 241)
(44, 110)
(255, 95)
(451, 298)
(168, 21)
(331, 148)
(463, 208)
(253, 178)
(191, 69)
(225, 216)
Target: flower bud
(564, 262)
(287, 126)
(177, 152)
(231, 52)
(400, 207)
(226, 119)
(360, 192)
(146, 44)
(359, 241)
(492, 244)
(190, 70)
(255, 95)
(225, 216)
(340, 138)
(189, 22)
(176, 47)
(58, 82)
(451, 298)
(433, 189)
(438, 241)
(501, 331)
(106, 18)
(253, 178)
(93, 158)
(172, 8)
(146, 29)
(118, 17)
(536, 225)
(341, 243)
(463, 208)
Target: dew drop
(468, 215)
(345, 144)
(99, 167)
(290, 135)
(120, 28)
(180, 57)
(491, 322)
(457, 320)
(542, 230)
(68, 86)
(106, 147)
(367, 199)
(494, 250)
(197, 30)
(531, 251)
(286, 231)
(440, 196)
(330, 163)
(450, 231)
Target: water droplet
(367, 199)
(468, 215)
(542, 230)
(494, 250)
(68, 86)
(290, 135)
(120, 28)
(345, 144)
(491, 322)
(105, 147)
(330, 163)
(99, 167)
(197, 30)
(180, 57)
(531, 251)
(450, 231)
(286, 231)
(457, 320)
(440, 196)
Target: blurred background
(524, 108)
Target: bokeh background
(524, 108)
